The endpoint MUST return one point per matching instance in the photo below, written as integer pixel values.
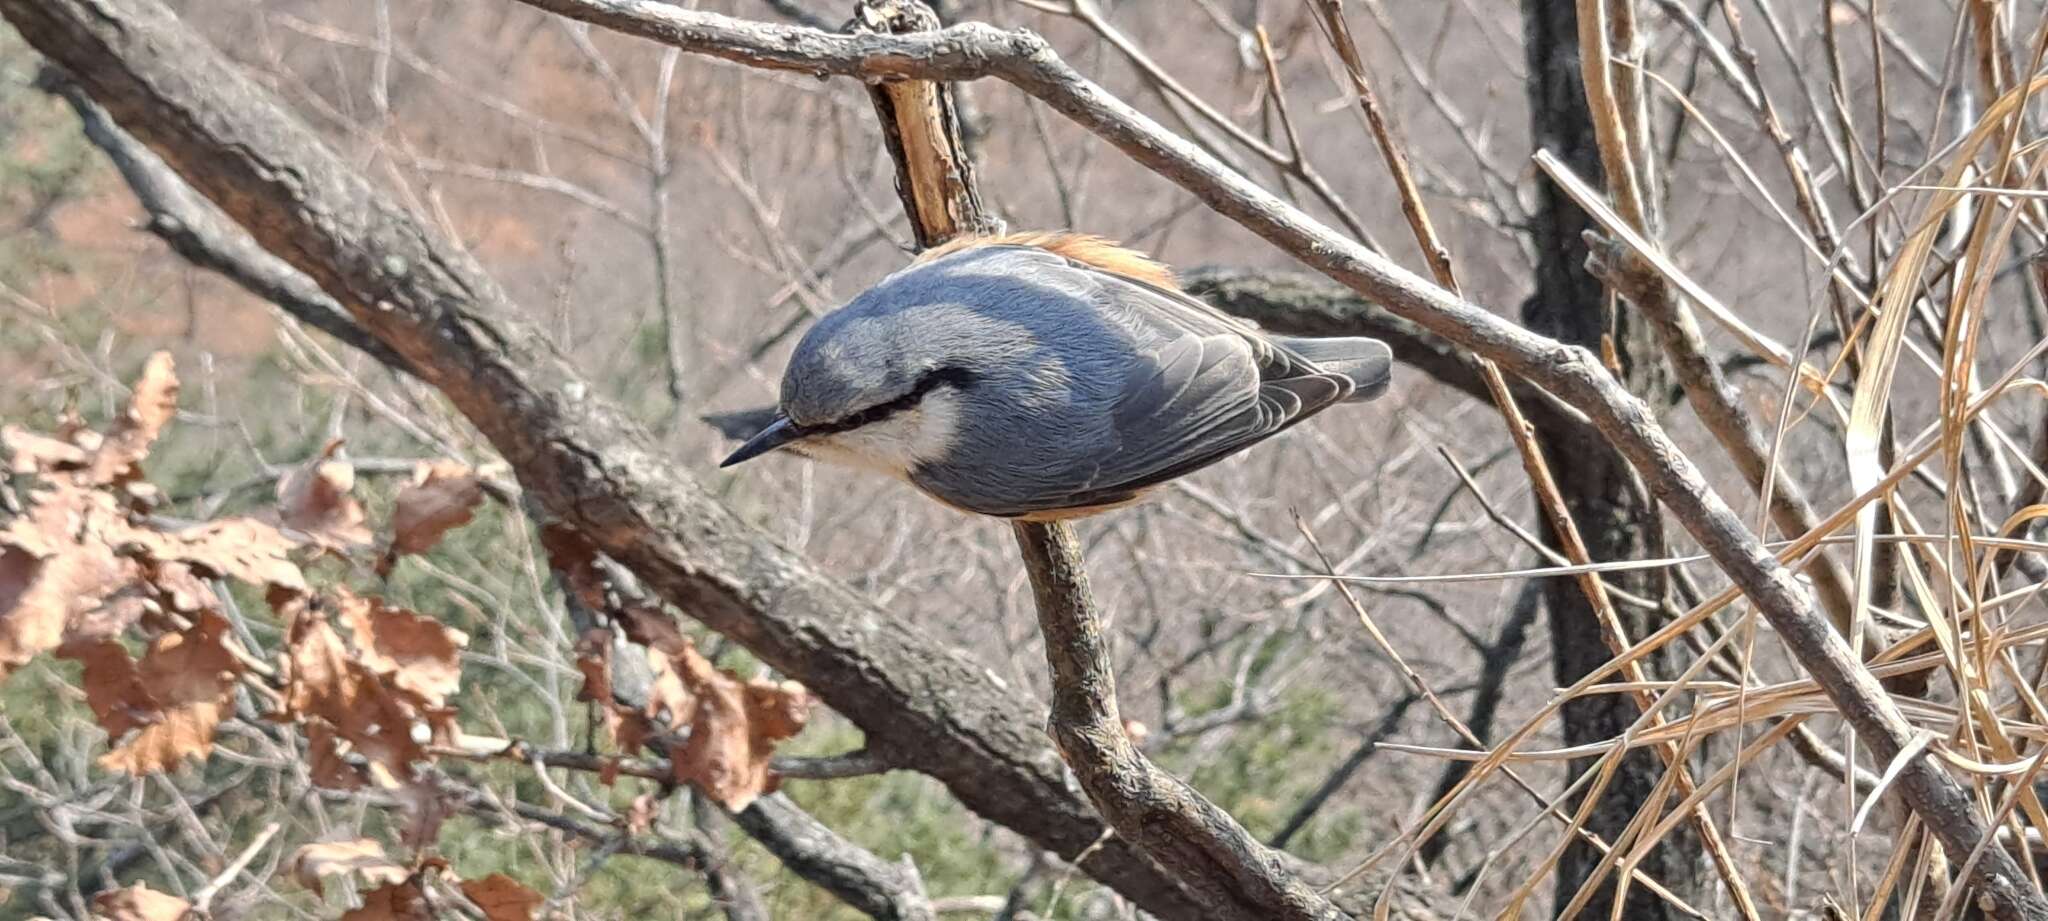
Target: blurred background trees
(673, 222)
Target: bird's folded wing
(1209, 385)
(1201, 400)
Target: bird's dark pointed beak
(778, 434)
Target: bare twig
(202, 898)
(1551, 500)
(1293, 164)
(1502, 655)
(1713, 398)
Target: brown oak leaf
(630, 732)
(159, 587)
(651, 628)
(113, 687)
(417, 653)
(243, 548)
(180, 588)
(30, 452)
(362, 858)
(327, 682)
(325, 761)
(140, 903)
(315, 499)
(171, 700)
(150, 408)
(734, 727)
(594, 660)
(671, 694)
(574, 559)
(503, 898)
(57, 563)
(25, 628)
(396, 902)
(442, 496)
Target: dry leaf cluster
(728, 726)
(88, 567)
(89, 572)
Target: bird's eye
(931, 380)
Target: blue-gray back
(1087, 386)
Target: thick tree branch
(809, 848)
(974, 50)
(923, 706)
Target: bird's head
(884, 382)
(863, 389)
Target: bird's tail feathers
(1367, 362)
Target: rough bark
(198, 231)
(1597, 484)
(1224, 866)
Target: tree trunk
(1610, 507)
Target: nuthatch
(1046, 376)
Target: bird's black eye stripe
(932, 380)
